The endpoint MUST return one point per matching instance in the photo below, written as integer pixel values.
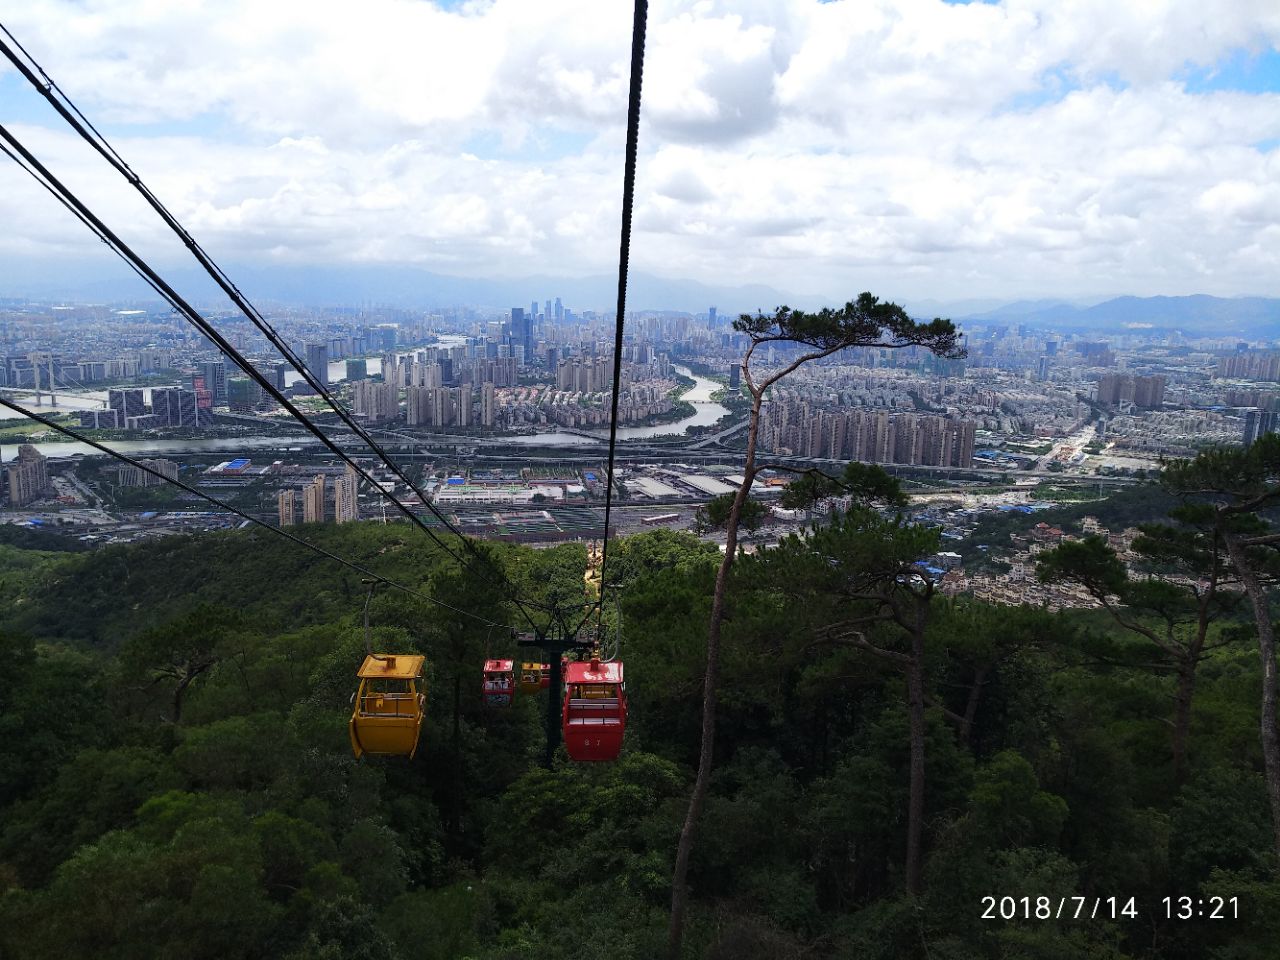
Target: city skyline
(930, 151)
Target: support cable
(63, 104)
(624, 259)
(64, 196)
(364, 571)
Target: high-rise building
(488, 405)
(204, 399)
(418, 407)
(131, 476)
(1258, 423)
(1251, 365)
(1148, 392)
(215, 380)
(559, 310)
(98, 419)
(376, 400)
(126, 403)
(522, 331)
(243, 394)
(28, 476)
(317, 360)
(346, 508)
(285, 507)
(274, 372)
(464, 402)
(175, 407)
(313, 501)
(151, 359)
(711, 317)
(357, 369)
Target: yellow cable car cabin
(534, 677)
(388, 706)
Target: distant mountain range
(400, 286)
(410, 287)
(1248, 317)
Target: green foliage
(246, 829)
(715, 513)
(866, 321)
(867, 484)
(1010, 808)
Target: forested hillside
(176, 779)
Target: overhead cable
(63, 104)
(364, 571)
(41, 175)
(624, 259)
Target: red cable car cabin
(499, 683)
(595, 709)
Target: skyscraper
(522, 332)
(464, 401)
(1258, 423)
(318, 361)
(215, 380)
(175, 407)
(488, 405)
(28, 476)
(285, 507)
(126, 403)
(313, 501)
(346, 508)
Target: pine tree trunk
(1182, 718)
(971, 706)
(915, 799)
(1267, 651)
(679, 892)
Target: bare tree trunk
(1267, 650)
(1182, 717)
(915, 798)
(679, 892)
(971, 706)
(455, 814)
(178, 693)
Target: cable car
(534, 677)
(389, 705)
(594, 716)
(499, 683)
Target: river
(705, 412)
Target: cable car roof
(392, 666)
(498, 666)
(594, 671)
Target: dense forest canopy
(175, 776)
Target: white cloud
(905, 146)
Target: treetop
(865, 322)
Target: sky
(914, 148)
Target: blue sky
(949, 150)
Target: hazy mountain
(403, 286)
(1197, 315)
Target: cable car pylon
(554, 643)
